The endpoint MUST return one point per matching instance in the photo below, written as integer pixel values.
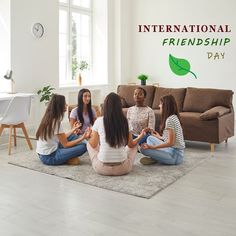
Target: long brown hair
(169, 107)
(115, 123)
(52, 117)
(81, 106)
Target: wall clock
(38, 30)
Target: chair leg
(212, 147)
(14, 136)
(1, 129)
(22, 125)
(9, 139)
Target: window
(75, 41)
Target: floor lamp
(8, 76)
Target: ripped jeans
(167, 156)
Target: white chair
(17, 111)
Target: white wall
(150, 57)
(34, 61)
(4, 43)
(129, 53)
(100, 38)
(118, 42)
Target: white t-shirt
(47, 147)
(107, 153)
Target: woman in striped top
(166, 147)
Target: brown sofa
(207, 115)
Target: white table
(5, 99)
(9, 96)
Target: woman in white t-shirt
(54, 147)
(110, 135)
(168, 146)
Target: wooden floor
(203, 202)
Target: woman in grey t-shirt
(168, 146)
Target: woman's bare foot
(147, 161)
(73, 161)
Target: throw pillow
(214, 112)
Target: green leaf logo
(180, 66)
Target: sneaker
(73, 161)
(139, 149)
(147, 161)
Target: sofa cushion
(127, 92)
(178, 93)
(201, 100)
(214, 113)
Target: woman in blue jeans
(54, 146)
(168, 146)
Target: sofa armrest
(214, 113)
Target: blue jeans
(143, 139)
(167, 156)
(62, 155)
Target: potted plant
(83, 65)
(46, 93)
(143, 79)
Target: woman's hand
(156, 134)
(143, 132)
(78, 123)
(146, 146)
(75, 128)
(87, 133)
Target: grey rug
(143, 181)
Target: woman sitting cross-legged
(54, 147)
(110, 135)
(140, 116)
(167, 148)
(84, 114)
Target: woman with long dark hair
(54, 147)
(166, 147)
(83, 114)
(110, 136)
